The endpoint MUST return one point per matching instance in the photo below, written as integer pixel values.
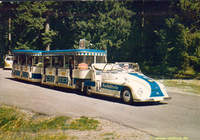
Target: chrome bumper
(154, 99)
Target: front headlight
(140, 92)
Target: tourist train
(87, 70)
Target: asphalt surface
(178, 118)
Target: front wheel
(126, 96)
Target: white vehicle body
(70, 68)
(26, 66)
(126, 83)
(8, 62)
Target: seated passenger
(125, 67)
(83, 66)
(39, 64)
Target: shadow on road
(117, 100)
(95, 96)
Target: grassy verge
(36, 136)
(17, 124)
(192, 86)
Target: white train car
(70, 68)
(8, 61)
(27, 65)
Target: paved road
(179, 118)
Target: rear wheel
(126, 96)
(85, 91)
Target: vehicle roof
(28, 52)
(87, 52)
(82, 52)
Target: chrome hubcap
(126, 96)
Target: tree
(109, 27)
(30, 21)
(180, 39)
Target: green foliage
(163, 39)
(37, 136)
(30, 22)
(14, 120)
(190, 10)
(84, 123)
(47, 37)
(109, 27)
(54, 123)
(179, 41)
(10, 119)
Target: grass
(110, 136)
(84, 123)
(192, 86)
(36, 136)
(19, 125)
(12, 119)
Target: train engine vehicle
(126, 81)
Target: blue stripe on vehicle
(155, 88)
(36, 76)
(112, 86)
(63, 80)
(25, 74)
(50, 78)
(28, 52)
(89, 83)
(104, 85)
(16, 72)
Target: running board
(103, 93)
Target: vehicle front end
(145, 89)
(8, 62)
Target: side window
(29, 61)
(57, 61)
(82, 62)
(78, 60)
(90, 60)
(47, 62)
(22, 60)
(15, 61)
(69, 62)
(37, 61)
(66, 63)
(100, 59)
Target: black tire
(85, 91)
(126, 96)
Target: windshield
(127, 67)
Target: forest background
(163, 36)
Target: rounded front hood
(150, 86)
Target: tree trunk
(47, 28)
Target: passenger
(39, 64)
(30, 62)
(71, 67)
(125, 67)
(60, 63)
(83, 66)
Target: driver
(125, 67)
